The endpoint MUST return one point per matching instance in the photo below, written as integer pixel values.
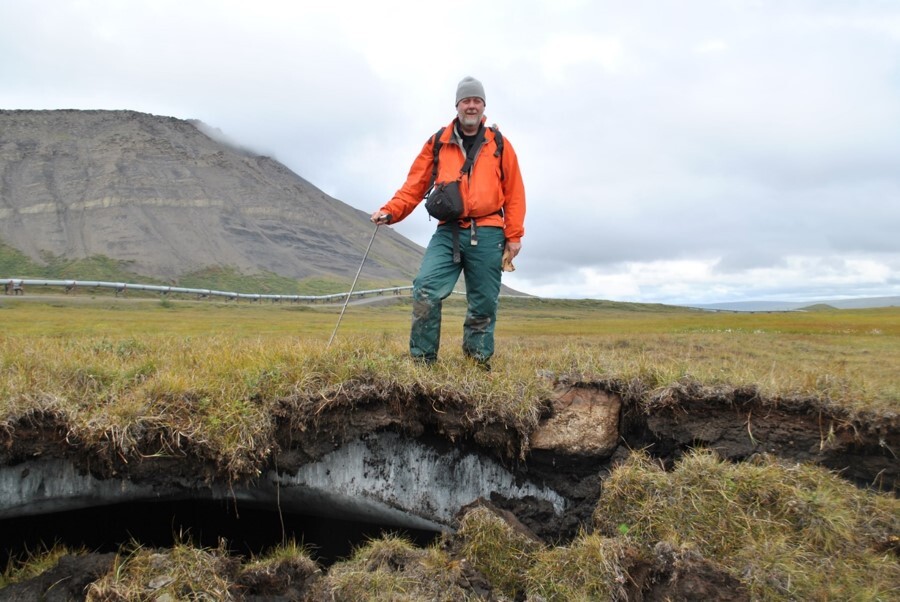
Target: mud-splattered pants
(481, 265)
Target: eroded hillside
(161, 196)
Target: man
(492, 222)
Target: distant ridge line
(850, 303)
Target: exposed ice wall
(380, 478)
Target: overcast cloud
(673, 151)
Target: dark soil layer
(736, 423)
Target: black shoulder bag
(444, 201)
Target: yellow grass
(846, 356)
(183, 573)
(212, 372)
(34, 563)
(788, 531)
(391, 569)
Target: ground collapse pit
(378, 463)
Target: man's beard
(469, 120)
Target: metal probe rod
(352, 286)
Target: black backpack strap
(436, 143)
(498, 140)
(473, 152)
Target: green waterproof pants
(481, 265)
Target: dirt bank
(586, 427)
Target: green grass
(15, 264)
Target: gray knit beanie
(469, 87)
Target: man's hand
(380, 218)
(512, 249)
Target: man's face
(470, 111)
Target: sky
(673, 151)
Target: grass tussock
(787, 532)
(784, 532)
(286, 568)
(503, 554)
(590, 568)
(183, 572)
(24, 567)
(391, 569)
(186, 572)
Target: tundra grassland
(846, 357)
(212, 372)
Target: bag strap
(436, 144)
(498, 140)
(473, 152)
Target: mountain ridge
(166, 198)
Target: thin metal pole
(352, 286)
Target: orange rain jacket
(484, 193)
